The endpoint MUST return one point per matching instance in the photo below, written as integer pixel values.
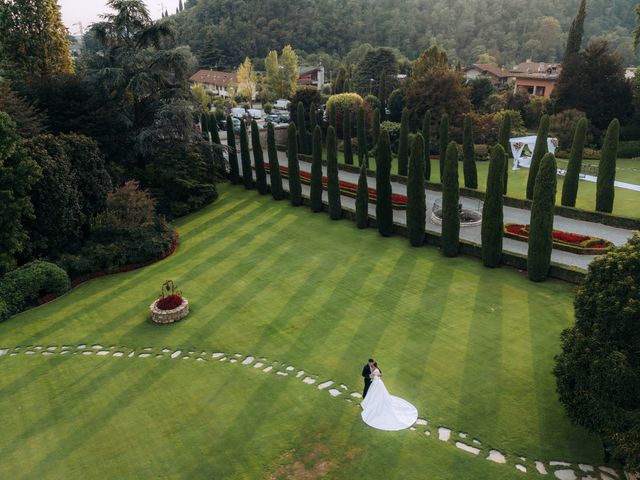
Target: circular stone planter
(468, 218)
(169, 316)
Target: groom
(366, 373)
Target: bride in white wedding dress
(382, 410)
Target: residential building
(497, 75)
(535, 78)
(216, 83)
(311, 76)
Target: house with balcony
(535, 78)
(497, 75)
(214, 82)
(311, 76)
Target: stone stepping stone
(258, 365)
(38, 347)
(233, 360)
(356, 395)
(468, 448)
(159, 355)
(66, 347)
(609, 470)
(176, 354)
(343, 386)
(585, 468)
(300, 373)
(334, 392)
(427, 433)
(97, 346)
(268, 369)
(444, 434)
(282, 374)
(82, 346)
(326, 384)
(290, 368)
(147, 349)
(421, 421)
(565, 474)
(52, 348)
(87, 352)
(165, 350)
(144, 355)
(496, 456)
(413, 429)
(186, 357)
(476, 441)
(309, 380)
(118, 354)
(540, 467)
(521, 468)
(47, 353)
(555, 463)
(3, 351)
(102, 353)
(217, 355)
(223, 359)
(462, 435)
(64, 352)
(248, 360)
(200, 359)
(29, 352)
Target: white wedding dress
(383, 411)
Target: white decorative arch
(522, 149)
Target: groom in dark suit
(366, 373)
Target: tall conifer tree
(416, 201)
(274, 164)
(316, 171)
(384, 207)
(258, 160)
(333, 185)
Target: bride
(384, 411)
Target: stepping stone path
(564, 472)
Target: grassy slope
(471, 347)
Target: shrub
(403, 148)
(392, 129)
(344, 102)
(443, 141)
(316, 171)
(21, 288)
(503, 139)
(247, 175)
(630, 149)
(426, 136)
(492, 210)
(362, 198)
(396, 105)
(258, 160)
(384, 208)
(517, 125)
(234, 171)
(538, 152)
(469, 158)
(607, 169)
(372, 101)
(274, 164)
(450, 199)
(268, 108)
(484, 127)
(333, 187)
(295, 188)
(302, 130)
(563, 125)
(362, 137)
(416, 205)
(572, 176)
(376, 127)
(541, 228)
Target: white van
(255, 113)
(238, 112)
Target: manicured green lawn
(472, 348)
(627, 202)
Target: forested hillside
(222, 32)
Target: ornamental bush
(258, 160)
(384, 208)
(337, 105)
(362, 198)
(362, 137)
(538, 152)
(416, 196)
(572, 177)
(426, 136)
(503, 139)
(605, 191)
(468, 155)
(346, 136)
(21, 288)
(274, 164)
(492, 210)
(316, 171)
(541, 225)
(403, 147)
(333, 185)
(598, 371)
(450, 200)
(295, 188)
(234, 171)
(245, 156)
(443, 135)
(213, 128)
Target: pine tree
(567, 92)
(180, 6)
(274, 164)
(302, 130)
(362, 137)
(333, 185)
(362, 198)
(572, 176)
(538, 152)
(541, 228)
(426, 135)
(316, 171)
(258, 160)
(469, 155)
(574, 39)
(492, 210)
(503, 139)
(403, 144)
(234, 171)
(444, 142)
(213, 129)
(384, 207)
(295, 188)
(375, 127)
(605, 191)
(346, 137)
(245, 156)
(450, 200)
(416, 201)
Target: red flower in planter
(170, 302)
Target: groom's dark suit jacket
(366, 372)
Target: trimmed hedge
(503, 139)
(426, 136)
(245, 156)
(444, 142)
(492, 210)
(450, 201)
(630, 149)
(572, 177)
(302, 129)
(333, 185)
(295, 188)
(541, 228)
(316, 171)
(375, 127)
(403, 147)
(384, 208)
(234, 171)
(362, 137)
(538, 152)
(21, 288)
(274, 174)
(346, 137)
(258, 160)
(362, 199)
(416, 205)
(468, 155)
(605, 191)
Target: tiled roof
(536, 70)
(212, 77)
(490, 68)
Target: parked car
(238, 112)
(281, 104)
(284, 118)
(255, 113)
(222, 124)
(236, 125)
(272, 118)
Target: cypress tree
(416, 201)
(234, 171)
(607, 170)
(316, 171)
(362, 137)
(444, 142)
(362, 198)
(245, 156)
(258, 160)
(574, 39)
(213, 128)
(541, 227)
(333, 117)
(538, 152)
(469, 155)
(384, 208)
(403, 146)
(295, 188)
(346, 137)
(274, 164)
(313, 118)
(492, 210)
(302, 130)
(375, 127)
(204, 125)
(450, 200)
(333, 187)
(426, 135)
(572, 176)
(503, 139)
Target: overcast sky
(87, 11)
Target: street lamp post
(370, 85)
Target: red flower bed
(399, 202)
(571, 242)
(170, 302)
